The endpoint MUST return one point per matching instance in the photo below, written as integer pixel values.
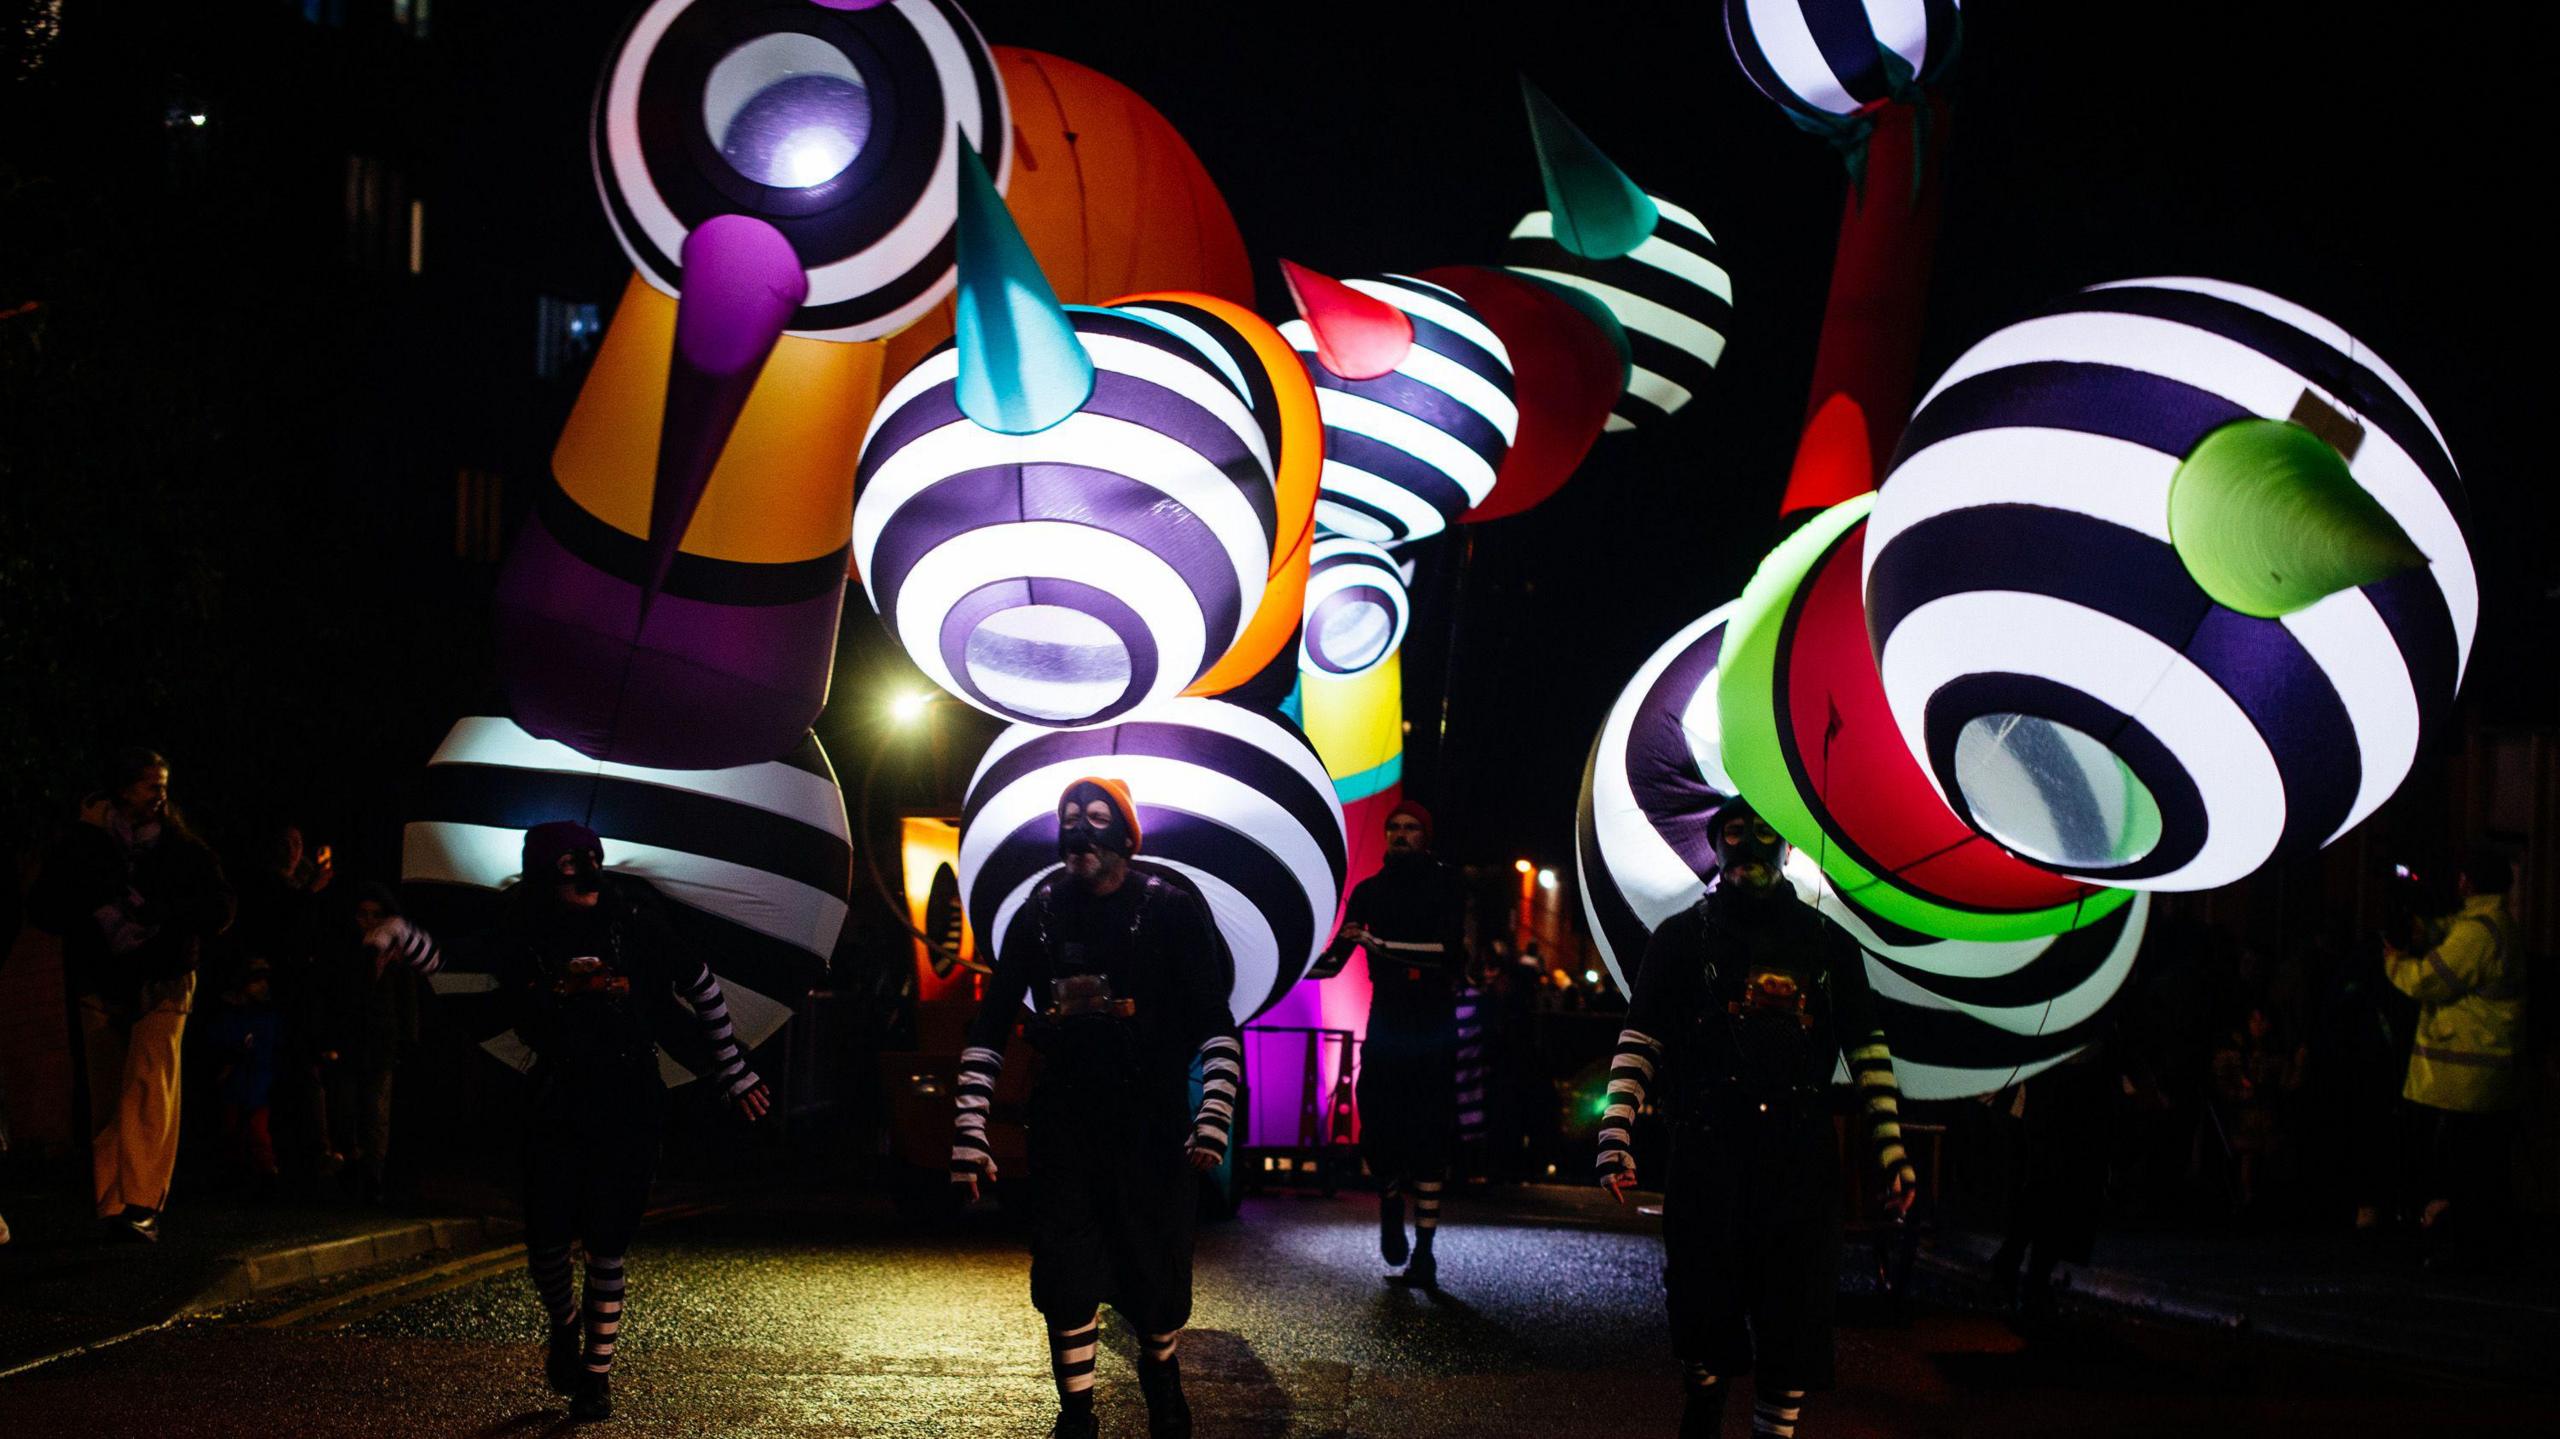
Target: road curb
(2140, 1297)
(248, 1276)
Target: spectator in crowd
(370, 1006)
(2256, 1070)
(2464, 1074)
(136, 897)
(244, 1041)
(283, 921)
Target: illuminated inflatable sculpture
(1416, 393)
(1643, 849)
(756, 861)
(781, 180)
(1827, 61)
(1351, 685)
(1258, 361)
(1234, 805)
(1975, 1015)
(2168, 581)
(1808, 735)
(1866, 78)
(1649, 263)
(1066, 514)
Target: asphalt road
(795, 1315)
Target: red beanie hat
(1421, 816)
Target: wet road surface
(797, 1315)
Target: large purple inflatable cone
(728, 663)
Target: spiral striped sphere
(1357, 608)
(1413, 449)
(1965, 1016)
(1069, 576)
(2071, 689)
(1233, 804)
(756, 860)
(1827, 58)
(1643, 847)
(839, 127)
(1968, 1017)
(1670, 293)
(1809, 736)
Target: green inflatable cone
(2268, 520)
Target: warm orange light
(1522, 865)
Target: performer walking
(1411, 916)
(585, 959)
(1131, 983)
(1744, 1005)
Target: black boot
(1702, 1413)
(1168, 1410)
(1391, 1245)
(1076, 1424)
(561, 1364)
(594, 1399)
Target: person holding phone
(1744, 1006)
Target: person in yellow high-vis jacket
(2465, 1073)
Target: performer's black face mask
(1749, 850)
(1088, 821)
(582, 873)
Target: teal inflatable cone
(1600, 214)
(1022, 369)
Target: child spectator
(243, 1042)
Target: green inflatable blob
(2268, 521)
(1783, 635)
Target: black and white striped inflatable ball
(1357, 608)
(1068, 576)
(1825, 60)
(1644, 849)
(756, 861)
(1232, 804)
(1416, 394)
(838, 125)
(2045, 637)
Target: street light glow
(1591, 976)
(1521, 865)
(908, 707)
(195, 117)
(1546, 879)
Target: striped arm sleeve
(1871, 1066)
(409, 945)
(1629, 1074)
(979, 1067)
(711, 1011)
(1221, 1070)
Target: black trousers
(590, 1153)
(1408, 1093)
(1114, 1204)
(2466, 1158)
(1751, 1242)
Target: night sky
(2357, 161)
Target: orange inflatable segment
(1297, 466)
(783, 490)
(1122, 205)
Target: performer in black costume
(1131, 983)
(584, 960)
(1411, 917)
(1744, 1007)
